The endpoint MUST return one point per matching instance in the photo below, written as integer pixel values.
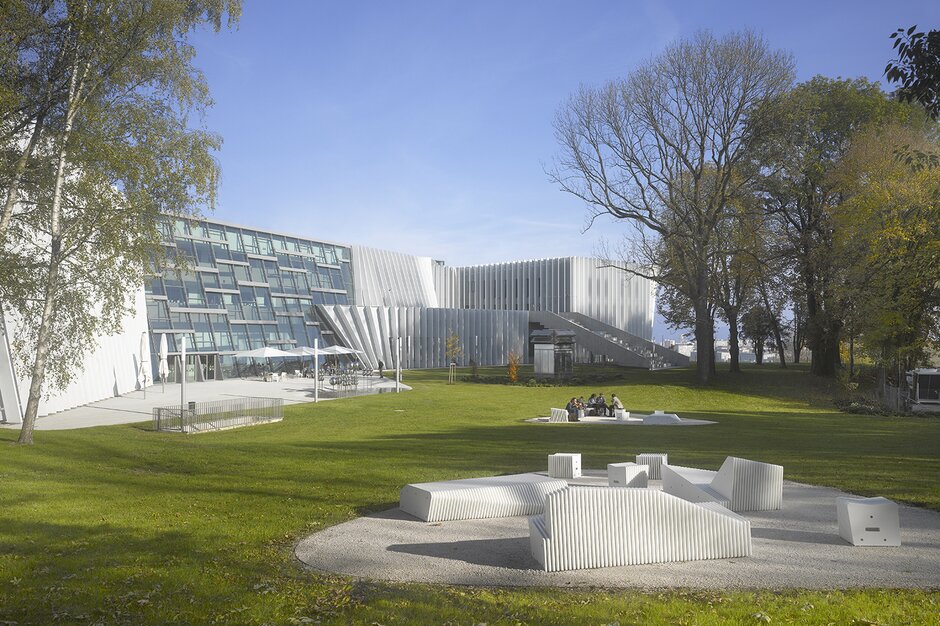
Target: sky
(426, 126)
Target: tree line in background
(100, 134)
(804, 214)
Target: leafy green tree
(917, 68)
(663, 149)
(888, 237)
(108, 114)
(815, 124)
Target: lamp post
(398, 364)
(316, 369)
(183, 374)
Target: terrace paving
(138, 406)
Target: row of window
(189, 288)
(213, 333)
(243, 240)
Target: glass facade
(230, 288)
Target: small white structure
(627, 475)
(588, 527)
(661, 418)
(478, 498)
(558, 415)
(564, 465)
(740, 484)
(655, 460)
(869, 521)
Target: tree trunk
(759, 352)
(851, 356)
(733, 346)
(38, 371)
(704, 329)
(13, 188)
(823, 333)
(775, 326)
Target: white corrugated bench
(478, 498)
(740, 484)
(558, 415)
(589, 527)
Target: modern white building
(246, 288)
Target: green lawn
(123, 525)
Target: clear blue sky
(425, 126)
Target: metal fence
(218, 414)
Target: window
(265, 245)
(256, 335)
(216, 232)
(210, 280)
(234, 239)
(203, 254)
(221, 251)
(154, 286)
(331, 257)
(157, 312)
(214, 301)
(249, 304)
(241, 273)
(194, 293)
(176, 296)
(227, 276)
(233, 304)
(240, 337)
(257, 270)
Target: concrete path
(137, 406)
(796, 547)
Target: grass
(122, 525)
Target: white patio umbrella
(164, 367)
(266, 352)
(142, 370)
(339, 350)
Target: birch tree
(662, 149)
(116, 144)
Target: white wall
(110, 370)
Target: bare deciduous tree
(664, 149)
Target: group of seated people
(595, 405)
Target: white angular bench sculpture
(478, 498)
(588, 527)
(558, 415)
(869, 521)
(740, 484)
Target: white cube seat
(564, 465)
(478, 498)
(627, 475)
(655, 460)
(558, 415)
(869, 521)
(590, 527)
(740, 484)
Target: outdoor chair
(558, 415)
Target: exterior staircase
(595, 337)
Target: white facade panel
(111, 369)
